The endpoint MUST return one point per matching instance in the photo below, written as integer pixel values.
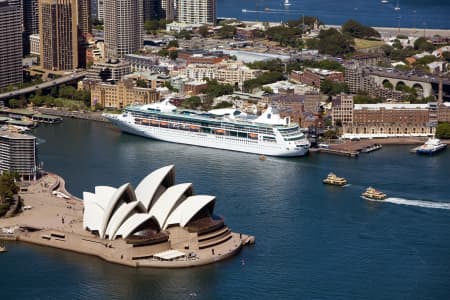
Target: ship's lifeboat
(154, 122)
(253, 135)
(164, 124)
(219, 131)
(145, 122)
(194, 127)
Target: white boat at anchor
(227, 129)
(431, 146)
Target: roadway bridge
(43, 85)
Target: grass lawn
(363, 44)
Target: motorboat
(332, 179)
(371, 148)
(373, 194)
(431, 146)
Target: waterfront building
(342, 109)
(443, 113)
(58, 34)
(123, 21)
(390, 120)
(196, 11)
(122, 94)
(158, 221)
(111, 70)
(18, 154)
(10, 44)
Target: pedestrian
(212, 251)
(62, 220)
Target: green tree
(332, 88)
(422, 44)
(173, 54)
(192, 102)
(173, 43)
(388, 84)
(141, 83)
(223, 104)
(226, 32)
(203, 30)
(357, 30)
(334, 43)
(443, 130)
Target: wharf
(93, 116)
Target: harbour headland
(54, 218)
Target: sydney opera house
(159, 221)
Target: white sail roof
(146, 189)
(167, 202)
(188, 209)
(119, 217)
(131, 224)
(113, 201)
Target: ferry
(431, 146)
(373, 194)
(227, 129)
(332, 179)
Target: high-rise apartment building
(168, 9)
(84, 17)
(196, 11)
(58, 34)
(100, 10)
(10, 44)
(31, 16)
(123, 23)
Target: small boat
(384, 1)
(262, 157)
(332, 179)
(431, 146)
(253, 135)
(286, 3)
(397, 7)
(219, 131)
(244, 10)
(3, 249)
(373, 194)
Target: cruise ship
(228, 129)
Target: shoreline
(57, 222)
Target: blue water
(312, 241)
(413, 13)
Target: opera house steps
(225, 236)
(204, 237)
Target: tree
(141, 83)
(422, 44)
(173, 43)
(357, 30)
(226, 32)
(388, 85)
(203, 30)
(192, 102)
(332, 88)
(223, 104)
(334, 43)
(443, 130)
(183, 34)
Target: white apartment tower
(123, 21)
(196, 11)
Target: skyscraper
(196, 11)
(10, 44)
(58, 32)
(84, 17)
(123, 22)
(31, 16)
(168, 9)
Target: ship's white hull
(211, 140)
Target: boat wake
(418, 203)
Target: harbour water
(312, 241)
(413, 13)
